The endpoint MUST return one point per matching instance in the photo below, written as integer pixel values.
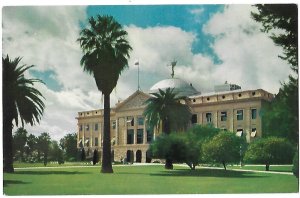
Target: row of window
(95, 125)
(223, 96)
(130, 122)
(139, 136)
(223, 116)
(87, 142)
(240, 132)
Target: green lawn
(281, 168)
(143, 180)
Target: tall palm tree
(20, 100)
(165, 109)
(105, 54)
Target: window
(223, 116)
(253, 132)
(130, 136)
(239, 114)
(208, 99)
(208, 117)
(223, 97)
(80, 127)
(194, 100)
(140, 121)
(114, 124)
(96, 127)
(194, 119)
(87, 127)
(130, 121)
(149, 135)
(253, 114)
(96, 142)
(87, 142)
(139, 137)
(239, 132)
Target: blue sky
(211, 43)
(190, 18)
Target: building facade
(228, 108)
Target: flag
(136, 62)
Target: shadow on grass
(8, 182)
(50, 172)
(208, 173)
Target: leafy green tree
(55, 152)
(43, 144)
(165, 109)
(69, 144)
(280, 118)
(223, 148)
(271, 150)
(32, 147)
(283, 17)
(105, 54)
(19, 141)
(183, 147)
(20, 100)
(169, 146)
(195, 138)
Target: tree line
(30, 148)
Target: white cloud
(249, 57)
(46, 37)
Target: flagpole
(138, 64)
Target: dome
(181, 87)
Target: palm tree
(105, 54)
(20, 100)
(165, 109)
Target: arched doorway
(139, 156)
(148, 157)
(129, 156)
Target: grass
(281, 168)
(143, 180)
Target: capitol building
(228, 108)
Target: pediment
(135, 101)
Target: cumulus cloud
(46, 37)
(249, 56)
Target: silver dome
(181, 87)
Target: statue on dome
(173, 64)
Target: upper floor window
(96, 127)
(239, 114)
(140, 136)
(87, 127)
(208, 117)
(253, 114)
(239, 132)
(130, 136)
(80, 127)
(130, 121)
(223, 116)
(149, 135)
(114, 124)
(140, 121)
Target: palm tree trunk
(106, 161)
(167, 130)
(7, 144)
